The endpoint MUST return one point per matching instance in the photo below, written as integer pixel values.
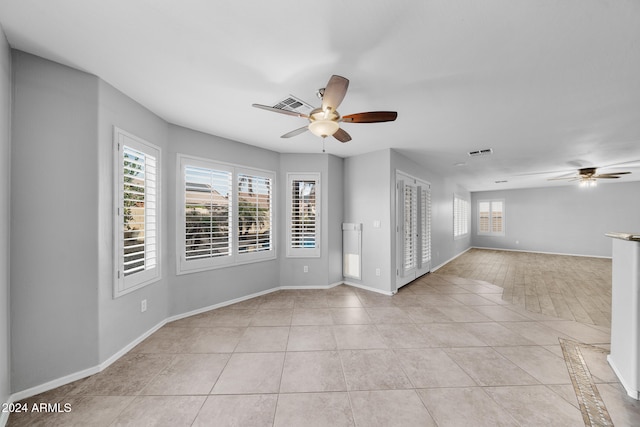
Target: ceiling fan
(587, 176)
(325, 120)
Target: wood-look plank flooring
(569, 287)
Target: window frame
(314, 252)
(235, 258)
(123, 284)
(504, 216)
(461, 206)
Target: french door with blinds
(413, 228)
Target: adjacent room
(350, 213)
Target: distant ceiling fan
(325, 120)
(587, 177)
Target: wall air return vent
(477, 153)
(291, 103)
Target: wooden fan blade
(611, 175)
(342, 136)
(295, 132)
(334, 92)
(371, 117)
(279, 110)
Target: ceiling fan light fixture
(323, 128)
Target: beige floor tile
(389, 408)
(313, 410)
(567, 392)
(405, 335)
(126, 377)
(535, 332)
(272, 317)
(311, 316)
(538, 362)
(428, 368)
(247, 373)
(350, 316)
(598, 365)
(275, 303)
(316, 301)
(579, 332)
(343, 300)
(358, 337)
(449, 335)
(258, 339)
(166, 340)
(249, 304)
(373, 370)
(455, 407)
(172, 411)
(219, 339)
(437, 300)
(307, 338)
(489, 368)
(315, 371)
(472, 299)
(494, 334)
(500, 314)
(231, 317)
(623, 410)
(188, 374)
(426, 315)
(536, 406)
(388, 315)
(255, 410)
(463, 314)
(90, 411)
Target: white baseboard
(50, 385)
(368, 288)
(449, 260)
(630, 390)
(540, 252)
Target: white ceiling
(549, 85)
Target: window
(491, 217)
(461, 216)
(413, 227)
(303, 213)
(137, 197)
(226, 216)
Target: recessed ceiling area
(550, 87)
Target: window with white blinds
(254, 213)
(227, 215)
(413, 223)
(425, 222)
(303, 213)
(461, 216)
(491, 217)
(410, 227)
(137, 198)
(208, 210)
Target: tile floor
(444, 351)
(569, 287)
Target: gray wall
(370, 195)
(5, 195)
(367, 192)
(54, 221)
(327, 268)
(192, 291)
(443, 246)
(120, 319)
(567, 219)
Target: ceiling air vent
(485, 152)
(291, 103)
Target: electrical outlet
(377, 271)
(306, 268)
(143, 306)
